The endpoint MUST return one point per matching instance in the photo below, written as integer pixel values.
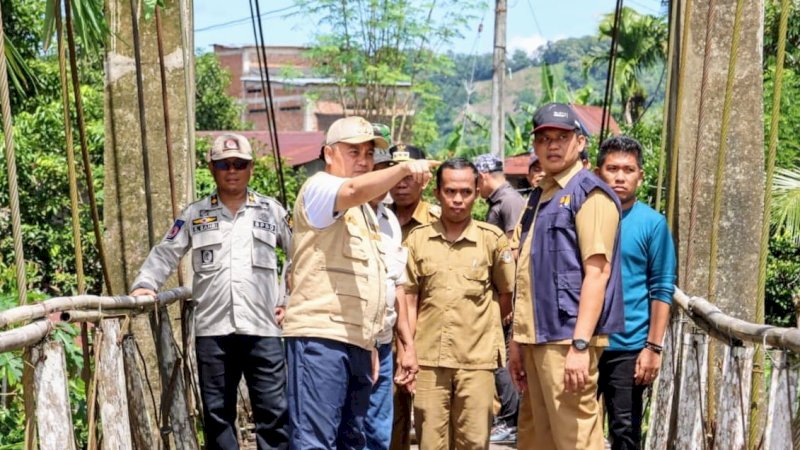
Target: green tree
(641, 45)
(376, 52)
(214, 108)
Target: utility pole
(498, 115)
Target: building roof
(517, 164)
(297, 147)
(592, 117)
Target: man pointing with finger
(336, 307)
(568, 291)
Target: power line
(231, 23)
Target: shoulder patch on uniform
(506, 256)
(176, 228)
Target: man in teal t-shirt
(632, 360)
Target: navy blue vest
(556, 263)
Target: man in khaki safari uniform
(411, 211)
(336, 308)
(455, 266)
(568, 291)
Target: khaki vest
(338, 279)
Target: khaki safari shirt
(459, 321)
(596, 226)
(424, 214)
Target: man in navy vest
(568, 291)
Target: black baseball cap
(556, 115)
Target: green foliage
(214, 108)
(376, 52)
(788, 150)
(641, 44)
(783, 282)
(772, 13)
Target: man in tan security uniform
(336, 307)
(568, 291)
(232, 235)
(457, 267)
(411, 211)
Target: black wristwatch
(580, 344)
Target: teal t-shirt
(648, 272)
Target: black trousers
(623, 398)
(221, 362)
(507, 393)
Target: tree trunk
(708, 51)
(125, 214)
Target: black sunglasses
(237, 164)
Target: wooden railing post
(141, 424)
(112, 397)
(51, 397)
(691, 407)
(733, 413)
(783, 389)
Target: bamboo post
(662, 410)
(173, 394)
(778, 432)
(112, 396)
(691, 407)
(734, 398)
(141, 424)
(24, 336)
(51, 398)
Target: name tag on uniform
(205, 224)
(265, 226)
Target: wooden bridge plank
(778, 433)
(52, 410)
(691, 407)
(733, 411)
(112, 396)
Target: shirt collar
(471, 233)
(561, 178)
(497, 193)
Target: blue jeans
(329, 389)
(221, 362)
(378, 424)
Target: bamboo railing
(678, 410)
(117, 394)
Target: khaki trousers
(550, 417)
(453, 403)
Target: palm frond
(785, 212)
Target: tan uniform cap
(353, 130)
(230, 145)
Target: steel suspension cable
(758, 371)
(87, 166)
(173, 195)
(73, 185)
(719, 182)
(672, 199)
(267, 92)
(11, 169)
(674, 28)
(612, 56)
(71, 173)
(701, 120)
(148, 192)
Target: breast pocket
(206, 248)
(264, 256)
(561, 233)
(354, 243)
(476, 281)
